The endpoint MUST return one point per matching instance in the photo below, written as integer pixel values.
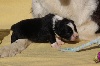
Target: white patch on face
(71, 25)
(75, 34)
(55, 19)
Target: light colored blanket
(39, 54)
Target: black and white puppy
(45, 29)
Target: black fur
(40, 29)
(96, 16)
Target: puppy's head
(66, 29)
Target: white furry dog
(85, 13)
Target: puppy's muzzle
(74, 37)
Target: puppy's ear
(59, 24)
(62, 23)
(59, 27)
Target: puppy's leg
(53, 42)
(58, 40)
(16, 47)
(55, 45)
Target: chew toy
(75, 49)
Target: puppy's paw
(55, 45)
(59, 41)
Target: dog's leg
(55, 45)
(58, 40)
(53, 42)
(16, 47)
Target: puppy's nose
(76, 35)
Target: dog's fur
(85, 13)
(44, 29)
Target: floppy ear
(59, 26)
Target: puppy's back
(28, 23)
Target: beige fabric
(12, 11)
(39, 54)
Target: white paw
(59, 41)
(55, 45)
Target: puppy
(84, 13)
(45, 29)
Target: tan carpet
(39, 54)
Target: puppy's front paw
(55, 45)
(59, 41)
